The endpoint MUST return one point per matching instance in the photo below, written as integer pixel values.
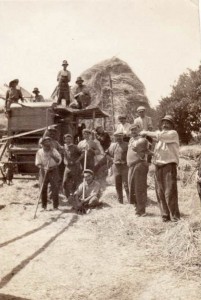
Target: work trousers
(120, 172)
(63, 94)
(51, 178)
(71, 179)
(137, 182)
(166, 191)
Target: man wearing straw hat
(118, 151)
(37, 98)
(166, 159)
(81, 94)
(63, 78)
(138, 169)
(47, 160)
(88, 193)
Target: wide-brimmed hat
(79, 79)
(141, 108)
(168, 118)
(13, 81)
(35, 90)
(64, 62)
(88, 171)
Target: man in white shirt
(143, 122)
(166, 159)
(124, 127)
(47, 160)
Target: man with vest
(166, 160)
(63, 89)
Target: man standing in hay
(166, 159)
(138, 169)
(118, 152)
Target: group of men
(81, 93)
(129, 155)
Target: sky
(159, 39)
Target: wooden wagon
(27, 124)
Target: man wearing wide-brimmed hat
(47, 160)
(123, 127)
(37, 98)
(63, 90)
(166, 159)
(13, 95)
(81, 94)
(118, 152)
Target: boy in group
(138, 169)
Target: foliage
(184, 103)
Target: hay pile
(128, 90)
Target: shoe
(141, 215)
(43, 209)
(166, 219)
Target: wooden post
(94, 115)
(112, 101)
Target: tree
(184, 103)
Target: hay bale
(128, 90)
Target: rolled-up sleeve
(38, 160)
(170, 136)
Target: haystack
(128, 91)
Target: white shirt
(43, 158)
(124, 128)
(144, 123)
(167, 148)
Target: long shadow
(31, 231)
(5, 280)
(11, 297)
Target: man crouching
(88, 193)
(47, 160)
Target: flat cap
(118, 133)
(44, 139)
(68, 135)
(88, 171)
(122, 117)
(86, 130)
(141, 108)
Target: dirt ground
(107, 254)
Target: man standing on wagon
(63, 89)
(166, 159)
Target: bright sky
(159, 39)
